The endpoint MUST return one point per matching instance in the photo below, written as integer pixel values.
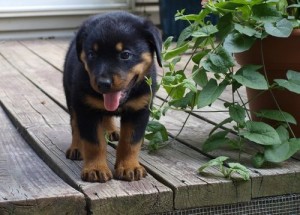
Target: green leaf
(240, 169)
(258, 160)
(282, 152)
(283, 134)
(293, 75)
(189, 84)
(265, 13)
(228, 6)
(215, 141)
(172, 83)
(167, 42)
(156, 132)
(237, 113)
(187, 100)
(277, 153)
(168, 79)
(218, 62)
(281, 28)
(249, 77)
(199, 55)
(155, 112)
(175, 52)
(277, 115)
(210, 92)
(214, 162)
(236, 42)
(185, 34)
(294, 144)
(292, 83)
(225, 25)
(175, 92)
(247, 30)
(205, 31)
(200, 77)
(261, 133)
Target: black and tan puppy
(104, 76)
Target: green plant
(241, 23)
(226, 171)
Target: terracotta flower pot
(280, 55)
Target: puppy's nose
(104, 84)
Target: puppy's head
(117, 52)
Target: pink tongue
(112, 100)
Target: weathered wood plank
(177, 165)
(188, 190)
(34, 68)
(28, 185)
(46, 126)
(113, 197)
(50, 52)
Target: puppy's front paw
(130, 172)
(73, 154)
(99, 173)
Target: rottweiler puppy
(104, 76)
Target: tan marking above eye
(119, 46)
(96, 47)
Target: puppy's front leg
(133, 127)
(95, 168)
(75, 150)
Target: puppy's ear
(81, 35)
(154, 38)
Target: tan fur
(127, 165)
(94, 102)
(95, 168)
(138, 103)
(119, 46)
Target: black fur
(139, 36)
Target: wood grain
(37, 70)
(28, 185)
(50, 52)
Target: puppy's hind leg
(111, 128)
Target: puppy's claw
(101, 174)
(73, 154)
(133, 173)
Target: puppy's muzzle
(104, 84)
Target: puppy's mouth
(112, 100)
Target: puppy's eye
(125, 55)
(91, 54)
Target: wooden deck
(36, 178)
